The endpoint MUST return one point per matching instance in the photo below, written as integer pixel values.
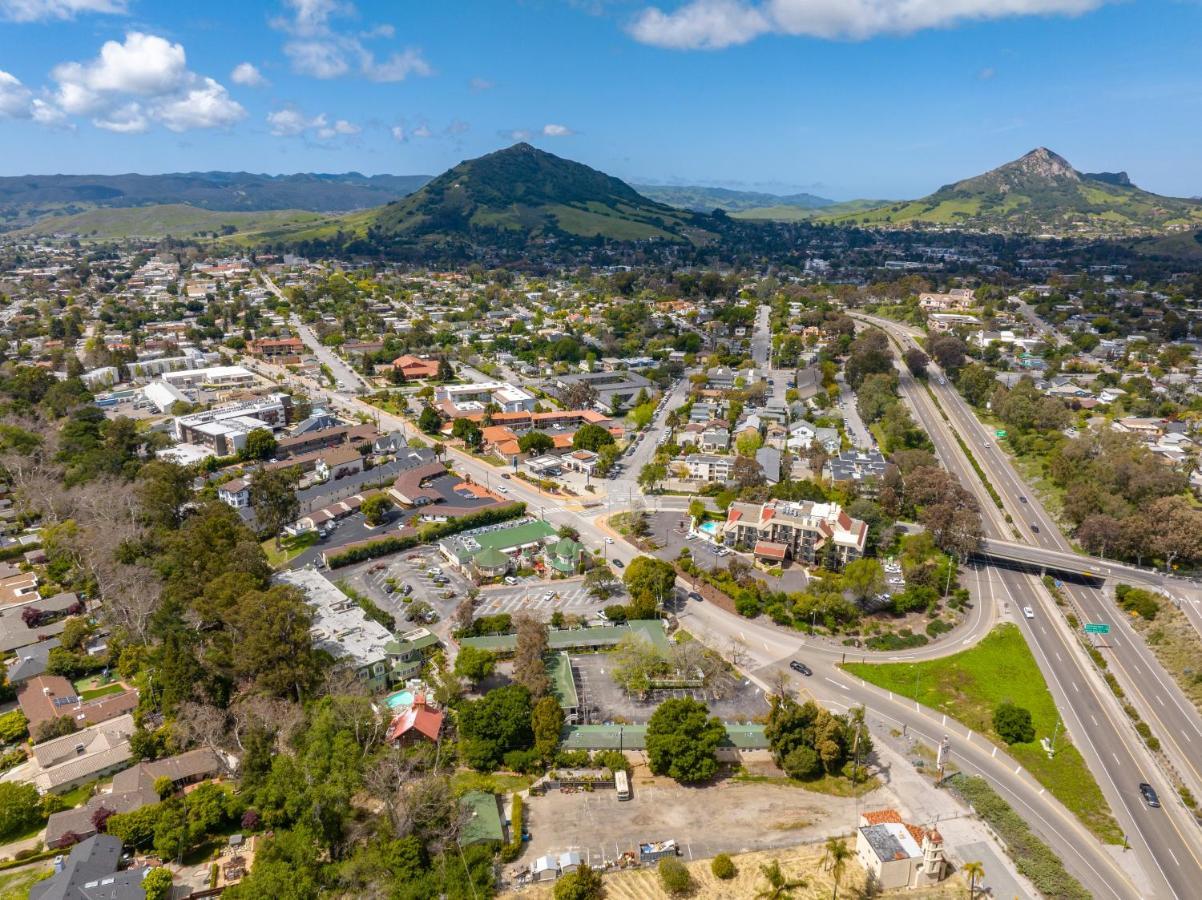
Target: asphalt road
(1166, 840)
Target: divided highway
(1166, 840)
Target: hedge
(1033, 858)
(427, 534)
(513, 849)
(15, 550)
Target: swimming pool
(399, 699)
(710, 529)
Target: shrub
(802, 762)
(614, 760)
(513, 849)
(937, 627)
(674, 876)
(723, 867)
(524, 761)
(1143, 603)
(1013, 724)
(583, 884)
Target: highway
(1167, 840)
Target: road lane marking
(1116, 757)
(1095, 721)
(837, 684)
(1174, 855)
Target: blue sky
(846, 98)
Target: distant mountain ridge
(25, 198)
(522, 192)
(706, 199)
(1037, 193)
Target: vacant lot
(751, 816)
(970, 685)
(729, 698)
(803, 863)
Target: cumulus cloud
(247, 75)
(423, 131)
(317, 48)
(481, 84)
(553, 130)
(713, 24)
(398, 134)
(141, 80)
(15, 98)
(46, 10)
(291, 122)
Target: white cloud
(553, 130)
(247, 75)
(291, 122)
(713, 24)
(15, 98)
(518, 134)
(457, 127)
(422, 131)
(45, 10)
(481, 84)
(318, 49)
(206, 104)
(398, 134)
(141, 80)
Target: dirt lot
(754, 816)
(797, 863)
(736, 700)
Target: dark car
(1022, 499)
(801, 667)
(619, 564)
(1149, 794)
(693, 595)
(1035, 528)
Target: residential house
(30, 661)
(47, 697)
(713, 438)
(339, 463)
(16, 584)
(74, 759)
(280, 350)
(93, 871)
(862, 468)
(235, 493)
(769, 460)
(19, 628)
(409, 652)
(707, 467)
(414, 368)
(415, 723)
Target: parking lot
(754, 816)
(410, 569)
(530, 595)
(729, 698)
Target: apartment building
(805, 531)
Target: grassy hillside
(707, 199)
(797, 214)
(1038, 193)
(174, 219)
(525, 192)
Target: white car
(609, 540)
(509, 579)
(1028, 612)
(502, 490)
(550, 595)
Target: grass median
(968, 686)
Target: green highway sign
(1097, 628)
(1000, 434)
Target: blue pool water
(399, 699)
(710, 528)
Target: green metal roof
(563, 685)
(490, 558)
(484, 819)
(503, 539)
(634, 737)
(572, 638)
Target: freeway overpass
(1062, 562)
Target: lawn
(969, 685)
(832, 785)
(106, 690)
(15, 885)
(462, 782)
(290, 548)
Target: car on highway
(502, 489)
(619, 564)
(1035, 528)
(1022, 498)
(801, 667)
(506, 475)
(1149, 794)
(1028, 612)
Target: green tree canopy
(683, 739)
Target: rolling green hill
(522, 192)
(176, 220)
(1038, 193)
(797, 213)
(707, 199)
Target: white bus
(622, 783)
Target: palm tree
(835, 859)
(974, 871)
(779, 887)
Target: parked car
(1149, 794)
(609, 540)
(619, 564)
(509, 579)
(693, 595)
(801, 667)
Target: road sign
(999, 433)
(1097, 628)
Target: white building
(220, 377)
(897, 855)
(462, 399)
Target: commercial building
(284, 350)
(457, 400)
(707, 467)
(213, 378)
(805, 531)
(223, 429)
(897, 855)
(862, 468)
(613, 388)
(492, 551)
